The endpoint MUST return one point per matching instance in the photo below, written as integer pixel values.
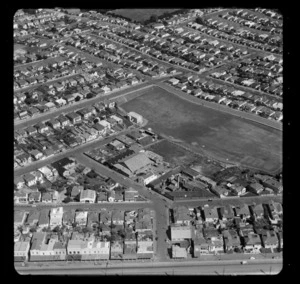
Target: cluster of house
(259, 73)
(126, 156)
(66, 181)
(254, 21)
(175, 46)
(258, 185)
(219, 28)
(270, 13)
(186, 183)
(27, 24)
(58, 235)
(48, 70)
(183, 183)
(84, 80)
(227, 229)
(118, 54)
(185, 16)
(227, 95)
(70, 130)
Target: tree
(200, 21)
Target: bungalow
(252, 243)
(74, 117)
(46, 197)
(37, 155)
(21, 197)
(87, 196)
(63, 121)
(54, 123)
(35, 197)
(19, 182)
(30, 180)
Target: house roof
(181, 232)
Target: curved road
(218, 107)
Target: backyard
(203, 130)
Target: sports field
(177, 155)
(141, 15)
(219, 134)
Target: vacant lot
(220, 135)
(141, 15)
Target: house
(232, 242)
(180, 233)
(33, 218)
(44, 218)
(242, 211)
(81, 218)
(255, 188)
(21, 197)
(179, 252)
(210, 215)
(63, 121)
(182, 215)
(88, 196)
(21, 250)
(74, 117)
(19, 218)
(270, 240)
(56, 215)
(273, 184)
(252, 243)
(29, 179)
(19, 182)
(54, 123)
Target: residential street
(159, 205)
(219, 107)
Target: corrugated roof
(137, 162)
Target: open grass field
(178, 156)
(140, 15)
(219, 134)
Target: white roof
(134, 114)
(45, 170)
(182, 232)
(104, 123)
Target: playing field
(176, 155)
(141, 15)
(219, 134)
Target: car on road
(244, 262)
(252, 257)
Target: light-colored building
(135, 117)
(88, 196)
(56, 216)
(81, 218)
(21, 250)
(180, 233)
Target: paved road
(80, 104)
(260, 93)
(159, 205)
(87, 206)
(248, 116)
(84, 103)
(82, 148)
(166, 268)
